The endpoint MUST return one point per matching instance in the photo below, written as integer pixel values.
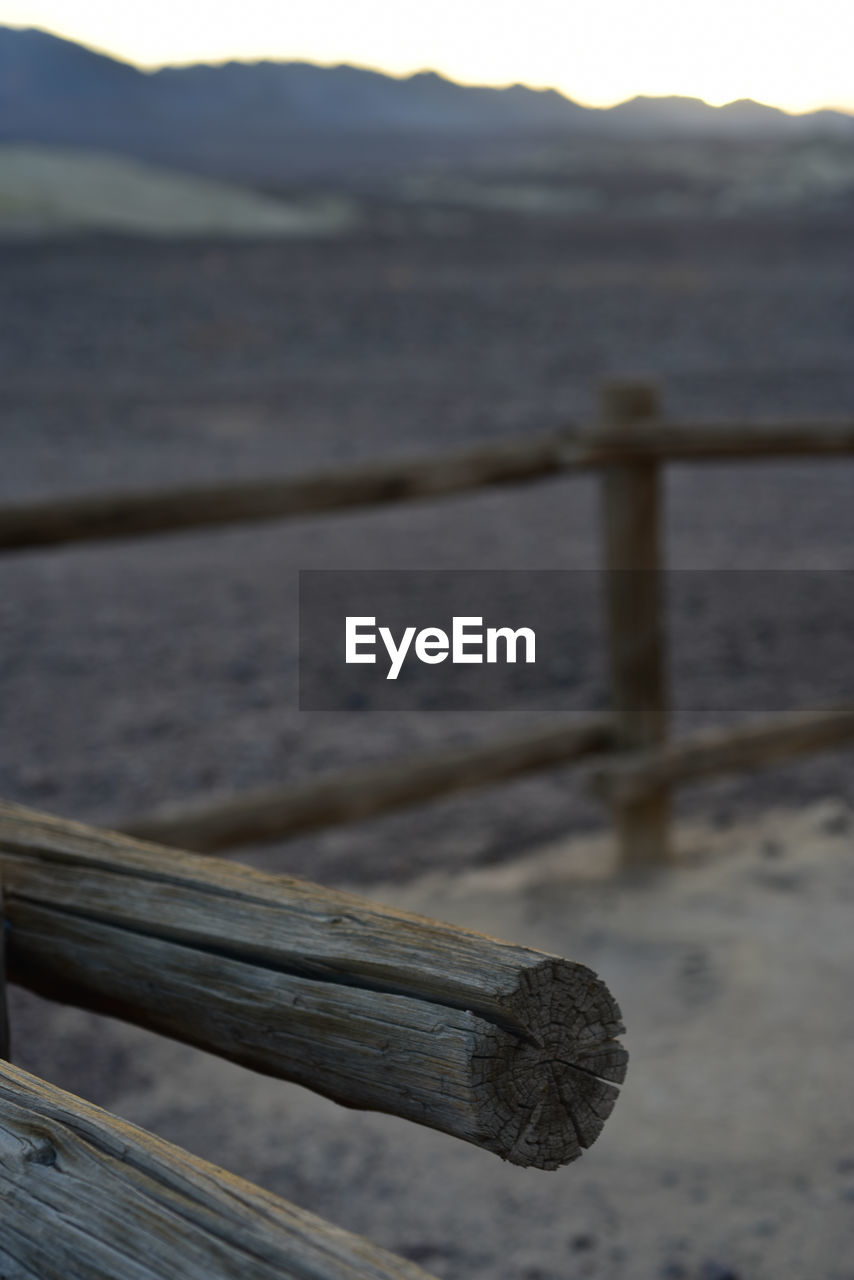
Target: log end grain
(544, 1097)
(504, 1047)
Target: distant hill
(47, 190)
(259, 120)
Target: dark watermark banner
(735, 641)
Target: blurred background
(254, 268)
(262, 240)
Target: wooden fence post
(633, 590)
(4, 1014)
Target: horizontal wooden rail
(627, 779)
(122, 515)
(504, 1047)
(86, 1196)
(705, 442)
(129, 514)
(277, 812)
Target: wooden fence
(630, 444)
(498, 1045)
(86, 1196)
(507, 1048)
(624, 436)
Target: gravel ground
(144, 672)
(730, 1153)
(141, 672)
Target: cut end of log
(545, 1096)
(501, 1046)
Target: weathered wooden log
(505, 1047)
(614, 443)
(123, 515)
(628, 779)
(633, 589)
(86, 1196)
(276, 812)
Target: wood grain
(86, 1196)
(710, 752)
(502, 1046)
(276, 812)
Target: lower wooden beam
(277, 812)
(505, 1047)
(628, 779)
(86, 1196)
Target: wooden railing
(274, 812)
(365, 1005)
(625, 436)
(507, 1048)
(629, 444)
(86, 1196)
(371, 1007)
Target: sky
(795, 54)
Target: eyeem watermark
(751, 642)
(468, 643)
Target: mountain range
(262, 120)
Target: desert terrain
(142, 672)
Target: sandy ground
(150, 671)
(731, 1150)
(59, 190)
(162, 669)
